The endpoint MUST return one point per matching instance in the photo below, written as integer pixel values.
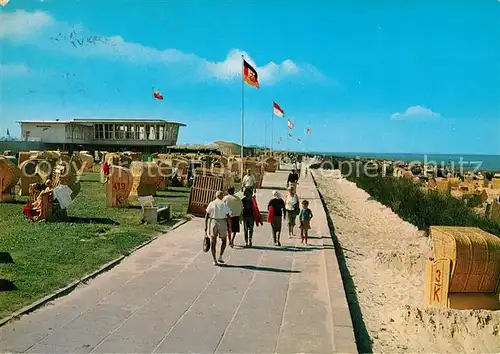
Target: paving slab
(207, 319)
(259, 315)
(147, 327)
(169, 297)
(307, 327)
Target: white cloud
(74, 40)
(13, 70)
(416, 112)
(22, 24)
(230, 68)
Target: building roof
(226, 143)
(195, 147)
(103, 120)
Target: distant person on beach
(219, 215)
(305, 217)
(276, 211)
(248, 182)
(292, 209)
(105, 172)
(293, 179)
(236, 206)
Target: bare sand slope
(385, 257)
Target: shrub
(473, 200)
(488, 175)
(419, 207)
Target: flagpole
(242, 113)
(265, 135)
(272, 130)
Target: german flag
(250, 74)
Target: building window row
(135, 131)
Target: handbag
(270, 214)
(256, 212)
(206, 243)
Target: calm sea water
(483, 162)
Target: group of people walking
(226, 213)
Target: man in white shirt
(219, 215)
(248, 181)
(236, 206)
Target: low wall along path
(168, 297)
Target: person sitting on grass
(305, 217)
(33, 211)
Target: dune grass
(417, 206)
(50, 255)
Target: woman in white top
(291, 208)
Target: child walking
(305, 217)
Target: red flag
(250, 74)
(277, 110)
(157, 94)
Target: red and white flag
(157, 94)
(277, 110)
(289, 124)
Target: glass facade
(137, 131)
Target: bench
(154, 213)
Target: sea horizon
(487, 162)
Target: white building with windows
(102, 132)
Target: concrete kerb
(343, 328)
(67, 289)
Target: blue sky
(365, 76)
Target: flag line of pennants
(250, 76)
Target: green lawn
(49, 255)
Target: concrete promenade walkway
(168, 297)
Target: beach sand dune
(385, 257)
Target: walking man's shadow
(259, 268)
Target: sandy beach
(385, 257)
